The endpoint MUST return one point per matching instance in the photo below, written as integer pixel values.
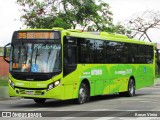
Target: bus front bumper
(54, 93)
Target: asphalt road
(146, 100)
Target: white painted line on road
(37, 109)
(156, 92)
(130, 99)
(149, 101)
(139, 118)
(146, 101)
(26, 99)
(66, 118)
(127, 118)
(105, 118)
(64, 110)
(45, 109)
(99, 110)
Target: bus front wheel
(39, 100)
(83, 94)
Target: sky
(121, 9)
(125, 9)
(9, 20)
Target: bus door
(70, 55)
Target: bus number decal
(124, 72)
(96, 72)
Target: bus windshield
(36, 58)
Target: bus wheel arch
(130, 88)
(83, 92)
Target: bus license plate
(29, 92)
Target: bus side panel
(71, 83)
(121, 74)
(124, 72)
(149, 75)
(113, 78)
(145, 76)
(97, 75)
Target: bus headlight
(54, 84)
(11, 83)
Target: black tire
(131, 89)
(83, 94)
(39, 100)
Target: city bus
(71, 64)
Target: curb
(4, 94)
(157, 82)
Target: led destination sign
(37, 35)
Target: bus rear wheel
(83, 94)
(39, 100)
(131, 89)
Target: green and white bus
(70, 64)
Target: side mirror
(6, 53)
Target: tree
(120, 29)
(84, 14)
(141, 23)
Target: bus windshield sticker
(25, 66)
(145, 69)
(15, 66)
(47, 47)
(34, 68)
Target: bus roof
(94, 35)
(105, 36)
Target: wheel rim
(131, 88)
(82, 95)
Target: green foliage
(2, 51)
(3, 82)
(120, 29)
(85, 14)
(90, 15)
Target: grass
(3, 82)
(157, 75)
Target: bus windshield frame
(36, 52)
(36, 57)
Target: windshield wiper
(25, 53)
(39, 51)
(36, 55)
(49, 53)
